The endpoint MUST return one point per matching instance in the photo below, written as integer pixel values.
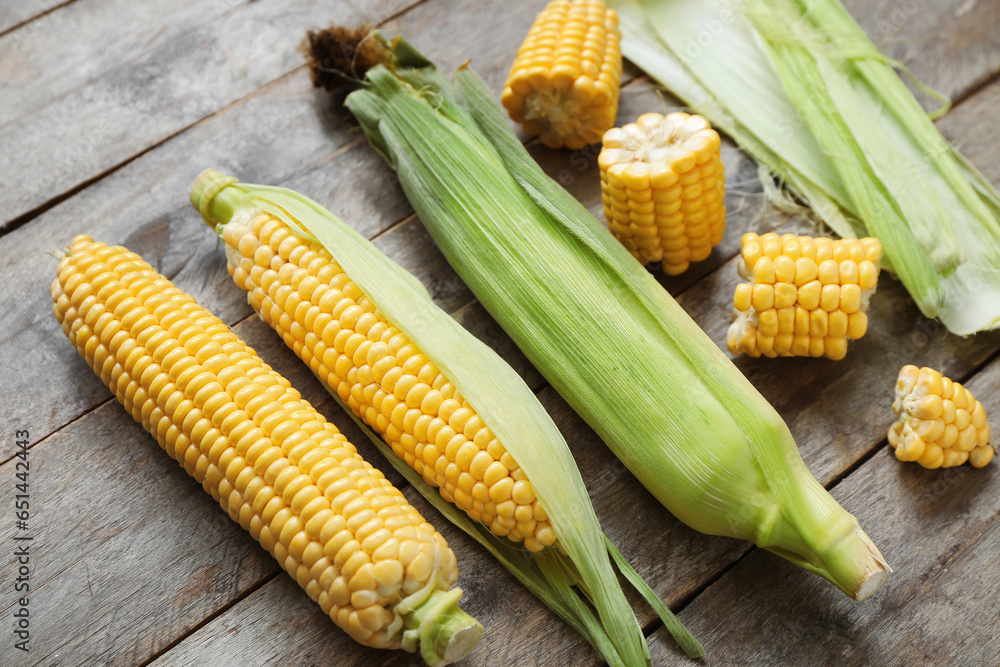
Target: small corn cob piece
(806, 296)
(940, 424)
(664, 189)
(563, 86)
(387, 382)
(279, 469)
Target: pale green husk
(799, 86)
(607, 336)
(505, 403)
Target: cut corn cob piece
(564, 84)
(325, 318)
(806, 296)
(284, 473)
(663, 189)
(940, 424)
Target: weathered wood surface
(938, 531)
(123, 581)
(108, 120)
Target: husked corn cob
(806, 296)
(387, 382)
(940, 424)
(288, 476)
(564, 84)
(664, 189)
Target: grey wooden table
(110, 108)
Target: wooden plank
(21, 16)
(977, 142)
(145, 207)
(266, 138)
(938, 529)
(62, 55)
(950, 45)
(110, 119)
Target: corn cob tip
(205, 197)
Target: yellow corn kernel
(947, 435)
(665, 190)
(814, 290)
(271, 461)
(426, 422)
(564, 83)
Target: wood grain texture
(125, 111)
(122, 580)
(285, 133)
(63, 55)
(937, 529)
(145, 207)
(952, 46)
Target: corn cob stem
(349, 538)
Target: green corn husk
(798, 85)
(607, 336)
(581, 568)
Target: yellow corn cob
(288, 476)
(663, 188)
(806, 296)
(940, 424)
(380, 375)
(563, 86)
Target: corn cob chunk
(806, 296)
(381, 376)
(940, 424)
(288, 476)
(664, 189)
(564, 84)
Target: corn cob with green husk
(621, 351)
(284, 473)
(451, 415)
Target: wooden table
(110, 109)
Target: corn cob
(350, 319)
(564, 83)
(288, 476)
(806, 296)
(663, 188)
(325, 318)
(940, 424)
